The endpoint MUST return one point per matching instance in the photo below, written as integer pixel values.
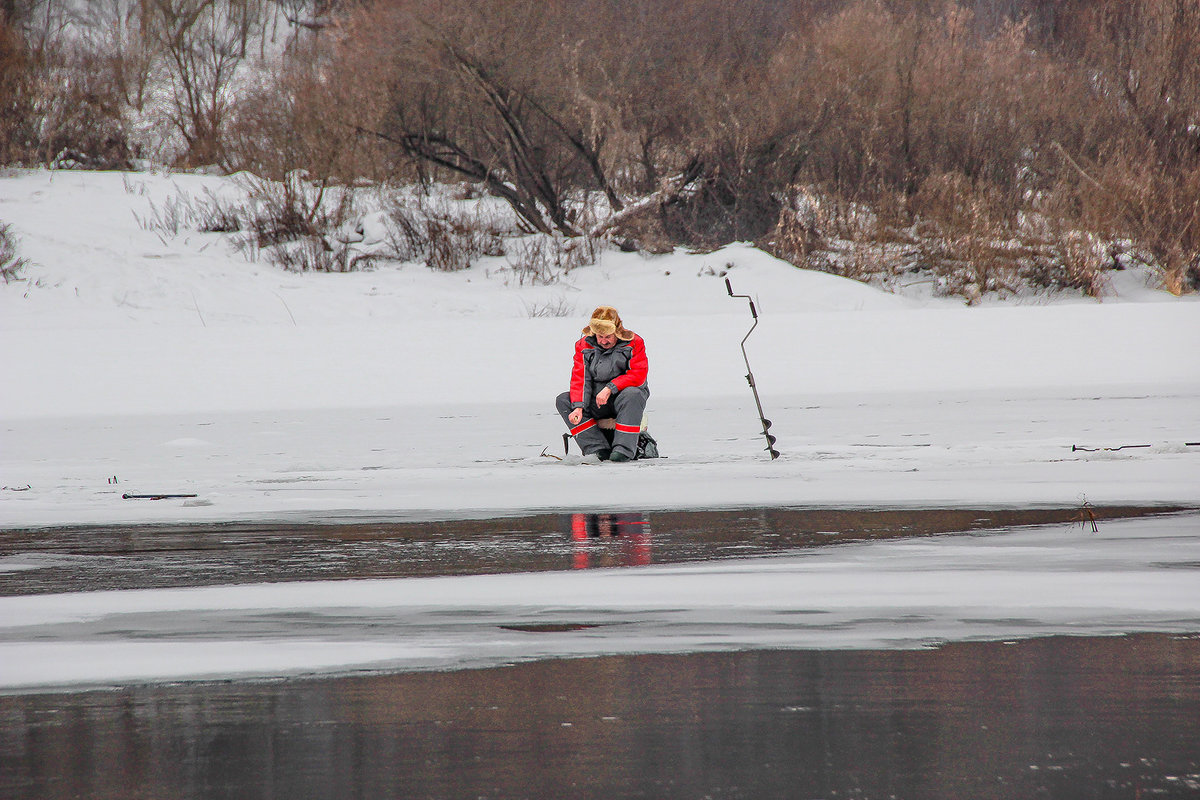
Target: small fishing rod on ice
(1082, 449)
(766, 423)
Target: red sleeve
(639, 367)
(578, 378)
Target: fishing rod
(766, 423)
(1081, 449)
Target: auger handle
(729, 288)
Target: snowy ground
(137, 362)
(173, 365)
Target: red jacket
(620, 367)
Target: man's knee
(634, 396)
(564, 403)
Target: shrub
(543, 259)
(951, 232)
(298, 223)
(448, 237)
(558, 307)
(1155, 205)
(311, 254)
(174, 214)
(292, 209)
(208, 214)
(10, 263)
(216, 215)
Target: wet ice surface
(1059, 717)
(1129, 575)
(89, 558)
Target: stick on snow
(766, 423)
(155, 496)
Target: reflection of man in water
(608, 381)
(633, 530)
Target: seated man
(608, 380)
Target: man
(608, 381)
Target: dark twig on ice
(766, 423)
(155, 496)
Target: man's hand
(603, 395)
(576, 416)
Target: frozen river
(756, 653)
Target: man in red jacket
(608, 380)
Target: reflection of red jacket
(620, 367)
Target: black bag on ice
(646, 446)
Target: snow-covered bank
(1133, 575)
(138, 362)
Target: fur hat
(606, 321)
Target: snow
(137, 360)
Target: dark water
(94, 558)
(1050, 718)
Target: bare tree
(111, 37)
(464, 97)
(542, 103)
(204, 42)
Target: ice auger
(766, 423)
